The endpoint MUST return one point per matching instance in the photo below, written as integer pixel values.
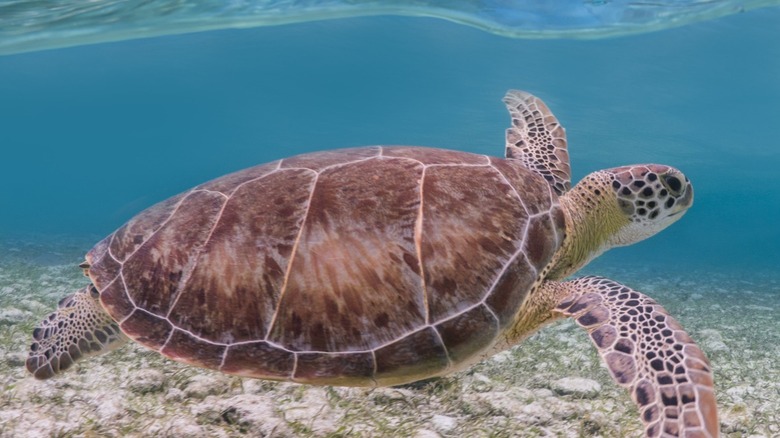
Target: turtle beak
(688, 197)
(684, 199)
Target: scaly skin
(618, 207)
(645, 349)
(600, 215)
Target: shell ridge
(140, 309)
(465, 310)
(512, 259)
(418, 224)
(456, 165)
(555, 235)
(521, 249)
(485, 350)
(332, 166)
(111, 254)
(294, 367)
(493, 314)
(293, 252)
(216, 192)
(121, 276)
(154, 233)
(514, 190)
(224, 354)
(199, 338)
(270, 172)
(323, 352)
(112, 281)
(271, 343)
(554, 204)
(450, 363)
(170, 336)
(374, 368)
(347, 163)
(385, 157)
(186, 278)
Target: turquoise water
(93, 134)
(90, 135)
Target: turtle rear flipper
(79, 328)
(647, 352)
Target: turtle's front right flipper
(77, 329)
(647, 352)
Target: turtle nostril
(673, 183)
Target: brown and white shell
(366, 266)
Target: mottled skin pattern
(648, 352)
(386, 265)
(537, 139)
(92, 332)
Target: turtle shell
(366, 266)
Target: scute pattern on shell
(364, 266)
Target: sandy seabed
(551, 385)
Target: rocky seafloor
(551, 385)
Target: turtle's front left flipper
(79, 328)
(537, 139)
(647, 352)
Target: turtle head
(618, 207)
(650, 197)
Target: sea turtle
(387, 265)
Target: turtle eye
(672, 183)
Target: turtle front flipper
(79, 328)
(537, 139)
(647, 352)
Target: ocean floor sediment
(551, 385)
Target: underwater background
(92, 134)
